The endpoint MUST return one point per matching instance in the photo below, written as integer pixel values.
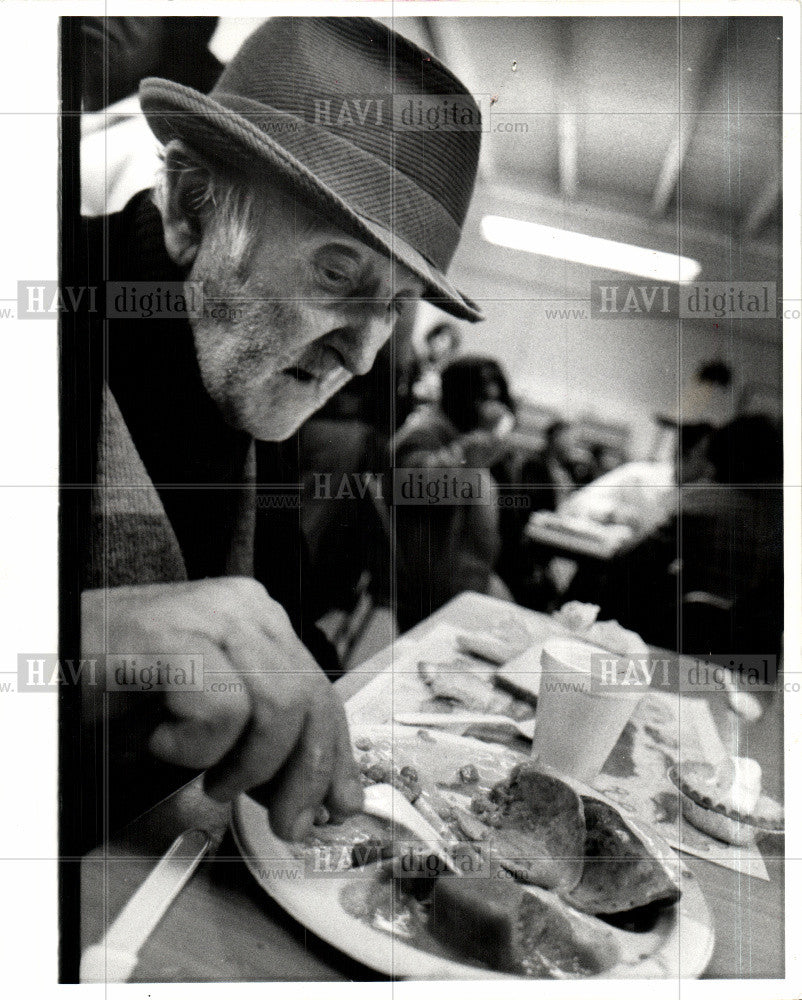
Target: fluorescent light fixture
(562, 244)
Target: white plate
(678, 946)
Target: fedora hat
(371, 128)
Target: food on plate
(725, 800)
(468, 774)
(363, 839)
(416, 870)
(485, 919)
(507, 638)
(458, 682)
(377, 768)
(622, 869)
(544, 875)
(513, 928)
(521, 676)
(455, 681)
(538, 827)
(359, 840)
(489, 647)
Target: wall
(618, 368)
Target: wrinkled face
(288, 327)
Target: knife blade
(113, 958)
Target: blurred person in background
(709, 580)
(707, 400)
(731, 535)
(346, 446)
(121, 51)
(446, 548)
(708, 396)
(558, 457)
(692, 462)
(419, 383)
(642, 495)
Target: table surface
(548, 544)
(225, 928)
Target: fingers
(194, 742)
(258, 755)
(279, 699)
(268, 718)
(305, 779)
(346, 795)
(206, 725)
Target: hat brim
(177, 112)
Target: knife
(114, 957)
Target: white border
(28, 608)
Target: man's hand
(267, 714)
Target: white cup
(581, 709)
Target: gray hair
(240, 205)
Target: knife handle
(100, 964)
(113, 959)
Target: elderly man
(306, 216)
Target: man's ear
(183, 202)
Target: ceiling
(659, 117)
(653, 115)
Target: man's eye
(334, 277)
(337, 272)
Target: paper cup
(582, 707)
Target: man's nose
(359, 341)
